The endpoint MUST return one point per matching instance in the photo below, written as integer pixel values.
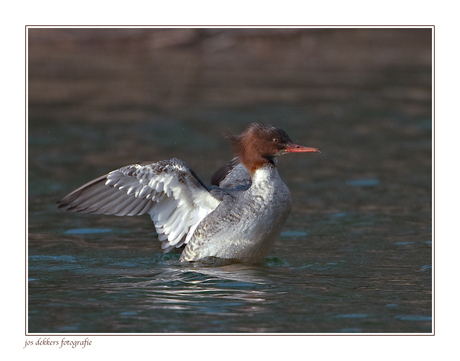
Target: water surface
(355, 255)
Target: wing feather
(232, 175)
(169, 191)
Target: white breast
(246, 224)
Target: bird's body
(238, 217)
(246, 223)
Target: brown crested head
(260, 143)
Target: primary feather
(169, 191)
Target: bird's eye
(275, 140)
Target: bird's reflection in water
(196, 287)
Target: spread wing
(169, 191)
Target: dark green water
(355, 255)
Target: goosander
(238, 217)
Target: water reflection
(193, 288)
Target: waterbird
(238, 217)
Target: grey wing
(232, 175)
(169, 191)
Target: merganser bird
(238, 217)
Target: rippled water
(339, 266)
(116, 284)
(355, 255)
